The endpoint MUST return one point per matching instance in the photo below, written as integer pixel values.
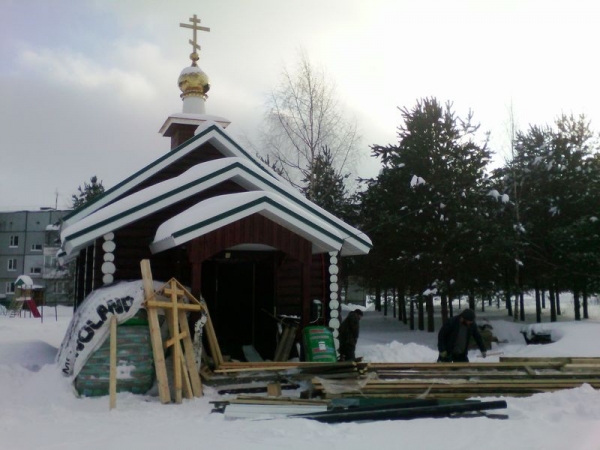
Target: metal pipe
(400, 413)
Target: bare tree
(304, 117)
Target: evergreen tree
(89, 191)
(325, 186)
(434, 185)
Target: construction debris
(509, 377)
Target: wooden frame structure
(170, 298)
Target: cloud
(83, 73)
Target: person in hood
(454, 336)
(348, 336)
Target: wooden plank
(460, 366)
(188, 348)
(582, 367)
(187, 385)
(274, 389)
(552, 359)
(189, 296)
(244, 398)
(173, 289)
(182, 306)
(177, 338)
(155, 337)
(174, 320)
(112, 380)
(213, 342)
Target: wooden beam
(190, 361)
(176, 338)
(182, 306)
(177, 347)
(155, 337)
(112, 379)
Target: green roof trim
(249, 206)
(233, 166)
(147, 204)
(156, 162)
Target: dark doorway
(239, 288)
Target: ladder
(15, 307)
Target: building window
(35, 270)
(10, 287)
(59, 287)
(14, 242)
(12, 264)
(36, 247)
(50, 261)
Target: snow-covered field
(38, 409)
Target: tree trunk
(421, 313)
(507, 301)
(516, 308)
(385, 302)
(522, 302)
(401, 312)
(472, 300)
(576, 304)
(377, 298)
(430, 321)
(543, 299)
(552, 306)
(412, 314)
(394, 302)
(585, 302)
(444, 305)
(557, 295)
(403, 307)
(538, 305)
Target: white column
(334, 303)
(108, 267)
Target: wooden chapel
(213, 216)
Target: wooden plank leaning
(112, 378)
(155, 337)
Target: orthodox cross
(194, 26)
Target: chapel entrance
(239, 289)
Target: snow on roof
(194, 180)
(25, 281)
(191, 119)
(217, 212)
(209, 132)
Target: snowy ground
(38, 409)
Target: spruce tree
(89, 191)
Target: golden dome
(193, 81)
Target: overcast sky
(85, 85)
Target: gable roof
(105, 213)
(209, 132)
(197, 179)
(216, 212)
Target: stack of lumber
(247, 377)
(339, 370)
(509, 377)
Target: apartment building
(29, 241)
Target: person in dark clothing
(349, 335)
(454, 336)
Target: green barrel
(319, 345)
(135, 363)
